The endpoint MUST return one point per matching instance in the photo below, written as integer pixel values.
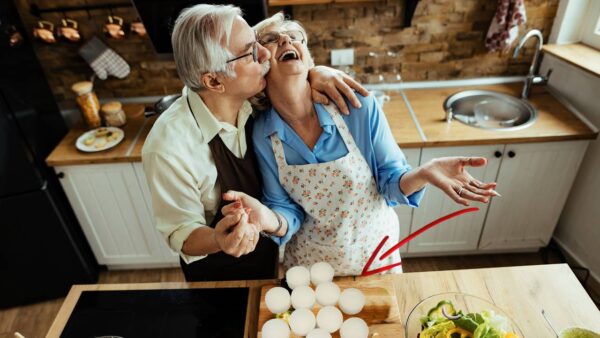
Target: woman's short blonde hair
(260, 101)
(200, 37)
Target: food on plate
(576, 332)
(444, 321)
(278, 300)
(303, 297)
(89, 141)
(100, 142)
(275, 328)
(354, 327)
(297, 276)
(302, 321)
(327, 293)
(351, 301)
(318, 333)
(321, 272)
(330, 318)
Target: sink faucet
(532, 76)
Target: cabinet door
(462, 232)
(169, 255)
(404, 212)
(110, 207)
(534, 181)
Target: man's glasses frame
(254, 54)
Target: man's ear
(212, 82)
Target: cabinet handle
(511, 154)
(60, 175)
(498, 153)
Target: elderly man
(200, 147)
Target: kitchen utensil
(113, 28)
(68, 30)
(494, 113)
(138, 28)
(44, 31)
(163, 104)
(461, 301)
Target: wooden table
(521, 291)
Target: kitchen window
(590, 30)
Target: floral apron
(346, 217)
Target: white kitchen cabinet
(534, 180)
(460, 233)
(170, 255)
(404, 212)
(109, 203)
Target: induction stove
(167, 313)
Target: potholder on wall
(505, 24)
(103, 60)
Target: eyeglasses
(254, 54)
(273, 37)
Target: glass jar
(113, 114)
(88, 103)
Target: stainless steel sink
(490, 110)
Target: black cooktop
(180, 313)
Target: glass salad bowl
(456, 314)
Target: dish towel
(505, 25)
(103, 60)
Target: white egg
(318, 333)
(330, 318)
(354, 328)
(278, 300)
(351, 301)
(302, 321)
(327, 293)
(321, 272)
(275, 328)
(303, 297)
(297, 276)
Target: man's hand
(328, 83)
(260, 215)
(235, 235)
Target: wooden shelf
(579, 55)
(311, 2)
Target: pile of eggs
(327, 294)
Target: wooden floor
(35, 320)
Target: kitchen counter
(555, 123)
(521, 291)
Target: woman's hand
(328, 83)
(234, 234)
(259, 214)
(450, 176)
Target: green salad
(443, 321)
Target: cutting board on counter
(380, 312)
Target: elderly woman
(332, 179)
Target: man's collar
(207, 122)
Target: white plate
(100, 143)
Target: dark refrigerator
(42, 248)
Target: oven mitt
(103, 60)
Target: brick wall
(445, 41)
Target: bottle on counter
(113, 114)
(88, 103)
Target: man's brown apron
(242, 175)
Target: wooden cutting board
(380, 312)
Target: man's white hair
(200, 39)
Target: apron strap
(278, 151)
(342, 127)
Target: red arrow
(367, 272)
